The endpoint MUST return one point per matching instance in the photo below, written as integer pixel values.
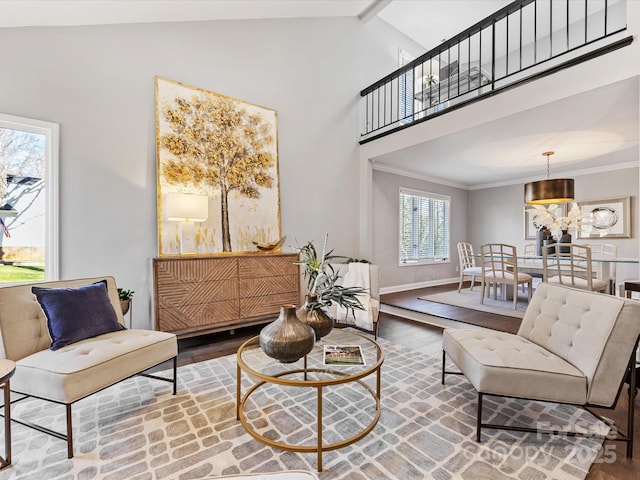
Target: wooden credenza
(198, 295)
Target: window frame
(51, 132)
(431, 196)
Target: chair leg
(479, 419)
(483, 287)
(444, 359)
(460, 282)
(515, 296)
(175, 374)
(473, 281)
(69, 432)
(631, 408)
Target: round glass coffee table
(281, 399)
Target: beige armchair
(367, 276)
(573, 346)
(65, 374)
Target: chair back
(595, 333)
(23, 324)
(529, 249)
(603, 251)
(465, 255)
(568, 264)
(500, 261)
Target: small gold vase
(317, 318)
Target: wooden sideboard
(205, 294)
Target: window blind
(424, 226)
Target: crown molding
(569, 173)
(417, 176)
(517, 181)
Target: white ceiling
(591, 130)
(586, 126)
(20, 13)
(444, 17)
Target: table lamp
(186, 208)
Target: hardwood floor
(612, 465)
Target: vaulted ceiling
(597, 126)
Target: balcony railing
(523, 41)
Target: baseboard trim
(413, 286)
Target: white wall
(385, 231)
(613, 67)
(496, 214)
(97, 82)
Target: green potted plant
(322, 289)
(125, 299)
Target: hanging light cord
(548, 154)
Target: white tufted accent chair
(573, 346)
(80, 369)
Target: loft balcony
(524, 41)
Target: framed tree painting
(217, 169)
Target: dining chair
(604, 252)
(500, 266)
(529, 251)
(468, 266)
(570, 264)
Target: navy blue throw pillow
(74, 314)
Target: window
(28, 200)
(424, 227)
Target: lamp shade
(544, 192)
(186, 207)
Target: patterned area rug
(138, 430)
(471, 300)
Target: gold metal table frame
(334, 377)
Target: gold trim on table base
(340, 378)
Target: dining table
(533, 265)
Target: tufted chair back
(596, 333)
(23, 325)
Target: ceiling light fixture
(544, 192)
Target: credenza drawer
(197, 295)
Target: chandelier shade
(551, 190)
(545, 192)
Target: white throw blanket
(358, 275)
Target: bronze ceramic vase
(317, 319)
(287, 339)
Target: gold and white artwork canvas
(218, 156)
